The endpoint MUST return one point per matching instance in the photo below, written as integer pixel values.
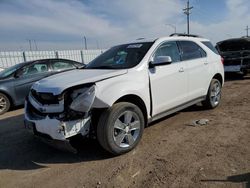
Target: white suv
(116, 95)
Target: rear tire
(213, 97)
(4, 103)
(120, 128)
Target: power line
(187, 12)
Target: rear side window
(210, 46)
(61, 65)
(191, 50)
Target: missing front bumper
(59, 144)
(63, 145)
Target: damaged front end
(57, 119)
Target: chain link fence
(8, 59)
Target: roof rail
(183, 35)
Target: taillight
(222, 60)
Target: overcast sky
(62, 24)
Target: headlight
(82, 99)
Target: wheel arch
(219, 77)
(136, 100)
(9, 97)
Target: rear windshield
(210, 46)
(236, 45)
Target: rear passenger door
(196, 67)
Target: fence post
(82, 57)
(57, 55)
(24, 57)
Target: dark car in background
(236, 54)
(16, 81)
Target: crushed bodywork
(236, 54)
(65, 111)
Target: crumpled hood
(56, 84)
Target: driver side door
(28, 75)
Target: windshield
(7, 72)
(121, 57)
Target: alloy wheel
(126, 129)
(3, 104)
(215, 95)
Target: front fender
(110, 90)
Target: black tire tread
(206, 103)
(7, 103)
(102, 126)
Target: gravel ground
(172, 153)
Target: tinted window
(121, 57)
(169, 49)
(7, 72)
(234, 45)
(191, 50)
(35, 69)
(210, 46)
(61, 65)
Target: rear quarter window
(210, 46)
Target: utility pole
(30, 44)
(97, 44)
(247, 29)
(85, 42)
(187, 12)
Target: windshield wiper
(101, 67)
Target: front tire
(4, 103)
(213, 97)
(120, 128)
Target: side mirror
(81, 66)
(162, 60)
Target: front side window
(191, 50)
(121, 57)
(34, 69)
(169, 49)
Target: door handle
(181, 69)
(205, 63)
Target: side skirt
(176, 109)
